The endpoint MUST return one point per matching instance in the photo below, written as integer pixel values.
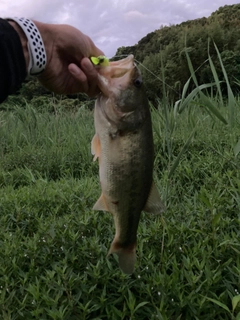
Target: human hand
(68, 68)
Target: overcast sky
(113, 23)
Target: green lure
(100, 61)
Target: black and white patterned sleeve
(12, 61)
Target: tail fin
(126, 257)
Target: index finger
(92, 76)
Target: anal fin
(101, 204)
(154, 203)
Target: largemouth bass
(123, 144)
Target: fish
(123, 145)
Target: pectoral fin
(101, 204)
(95, 147)
(154, 203)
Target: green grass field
(53, 246)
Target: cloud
(113, 23)
(134, 15)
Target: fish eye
(137, 82)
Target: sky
(113, 23)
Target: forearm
(14, 44)
(23, 40)
(12, 60)
(45, 31)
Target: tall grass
(45, 144)
(199, 98)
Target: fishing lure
(100, 61)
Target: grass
(53, 248)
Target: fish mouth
(116, 76)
